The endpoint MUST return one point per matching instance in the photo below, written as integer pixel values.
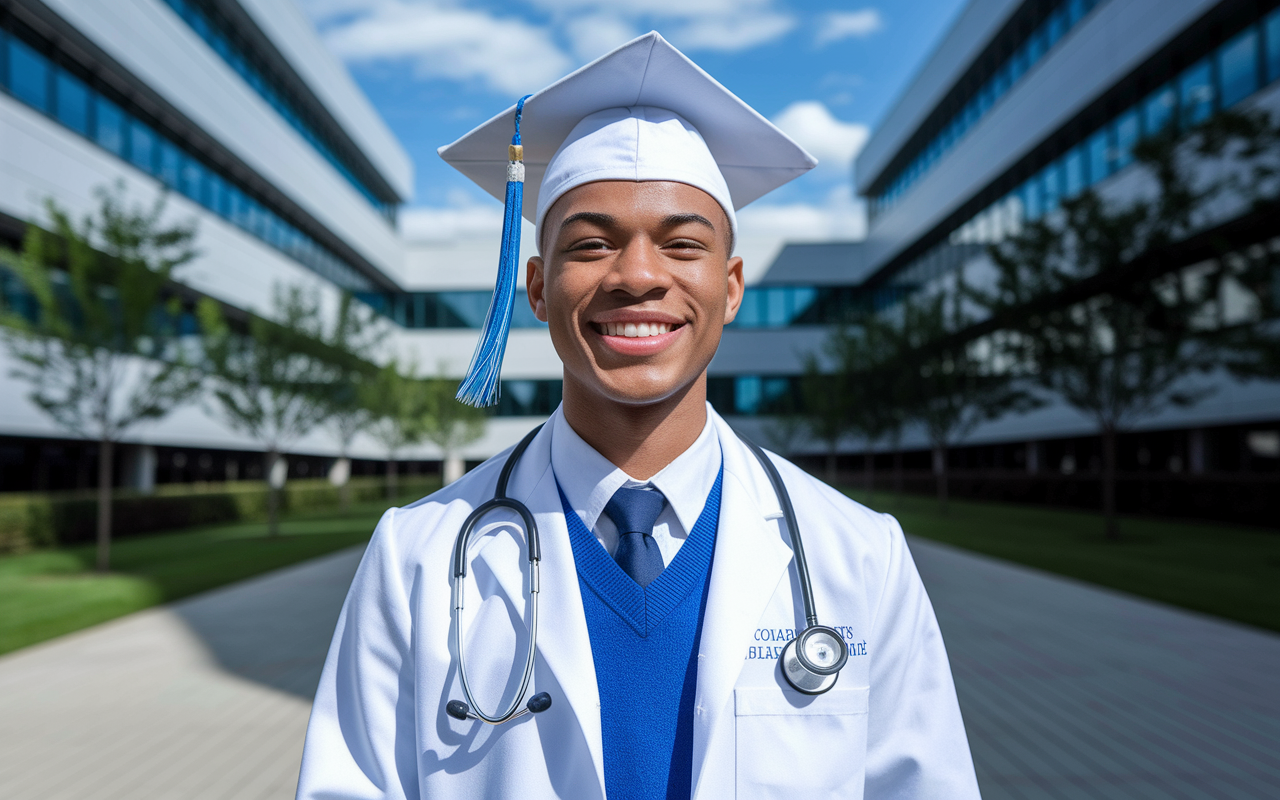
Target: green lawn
(47, 593)
(1219, 569)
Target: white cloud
(457, 221)
(841, 217)
(839, 25)
(506, 53)
(592, 36)
(834, 142)
(733, 32)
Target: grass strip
(1219, 569)
(47, 593)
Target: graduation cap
(643, 112)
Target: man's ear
(535, 282)
(736, 287)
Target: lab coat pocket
(796, 746)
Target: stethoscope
(811, 662)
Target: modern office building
(264, 139)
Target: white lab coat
(890, 728)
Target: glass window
(1126, 138)
(142, 145)
(72, 100)
(1036, 45)
(1238, 68)
(1051, 186)
(28, 75)
(1018, 64)
(1056, 27)
(192, 179)
(1099, 148)
(1158, 109)
(1195, 90)
(746, 394)
(1271, 31)
(1073, 169)
(170, 163)
(1033, 199)
(108, 125)
(1076, 10)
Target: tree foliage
(102, 348)
(273, 380)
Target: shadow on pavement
(275, 629)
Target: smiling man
(650, 562)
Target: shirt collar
(589, 480)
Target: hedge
(44, 520)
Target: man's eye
(686, 244)
(589, 244)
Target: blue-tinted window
(142, 145)
(776, 311)
(170, 163)
(1099, 149)
(1126, 137)
(1033, 199)
(28, 75)
(192, 179)
(1271, 32)
(72, 101)
(1195, 91)
(1056, 27)
(1036, 45)
(747, 394)
(1051, 186)
(1238, 68)
(1076, 9)
(1158, 110)
(108, 125)
(1073, 169)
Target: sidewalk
(1068, 691)
(1071, 691)
(207, 698)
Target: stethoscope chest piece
(812, 661)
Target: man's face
(636, 285)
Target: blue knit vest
(644, 642)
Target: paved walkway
(1068, 692)
(207, 698)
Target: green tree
(396, 400)
(948, 384)
(1095, 298)
(272, 380)
(103, 349)
(448, 424)
(351, 340)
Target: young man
(670, 584)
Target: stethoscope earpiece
(537, 704)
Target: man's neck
(639, 440)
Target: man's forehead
(636, 202)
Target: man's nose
(638, 270)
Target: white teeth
(632, 330)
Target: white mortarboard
(643, 112)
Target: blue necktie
(634, 511)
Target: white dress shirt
(589, 480)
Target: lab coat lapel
(750, 560)
(563, 641)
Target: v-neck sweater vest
(644, 643)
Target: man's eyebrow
(594, 217)
(683, 219)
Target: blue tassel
(480, 387)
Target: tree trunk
(940, 476)
(106, 453)
(344, 496)
(392, 468)
(1112, 525)
(273, 495)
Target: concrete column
(139, 471)
(454, 468)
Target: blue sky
(825, 72)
